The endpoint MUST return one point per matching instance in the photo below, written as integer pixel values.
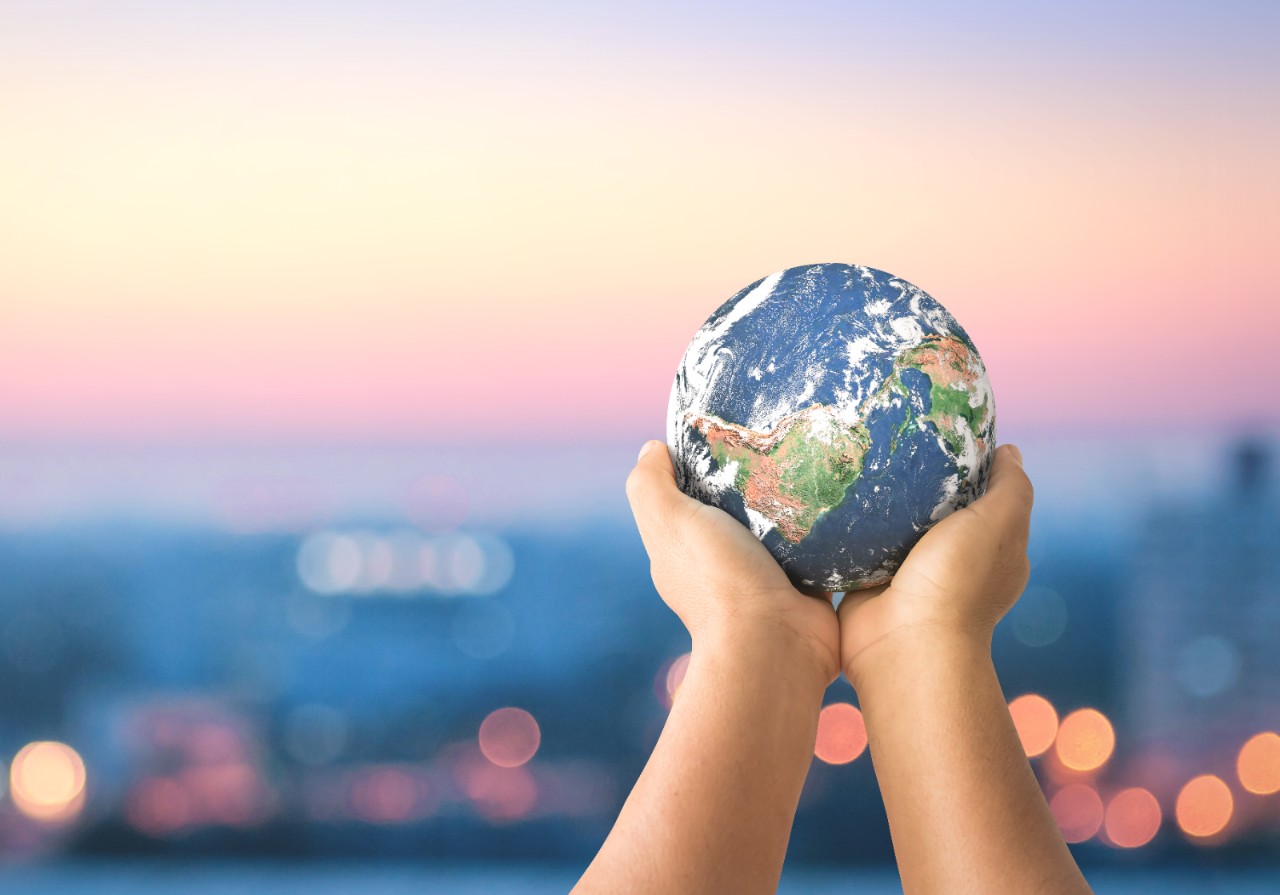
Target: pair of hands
(713, 809)
(957, 582)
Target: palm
(721, 556)
(967, 570)
(711, 570)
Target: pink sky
(350, 238)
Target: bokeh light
(1207, 666)
(1039, 617)
(464, 560)
(483, 629)
(229, 792)
(1204, 806)
(509, 737)
(842, 734)
(1036, 721)
(671, 677)
(46, 781)
(1258, 765)
(377, 562)
(472, 563)
(329, 563)
(499, 565)
(1085, 740)
(1133, 818)
(499, 794)
(387, 795)
(158, 806)
(1077, 808)
(403, 561)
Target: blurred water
(213, 878)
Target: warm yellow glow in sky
(276, 229)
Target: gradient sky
(450, 221)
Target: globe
(839, 412)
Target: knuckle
(1028, 489)
(635, 484)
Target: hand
(717, 576)
(713, 808)
(961, 577)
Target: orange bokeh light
(1259, 764)
(509, 737)
(1077, 808)
(1204, 806)
(1085, 740)
(46, 781)
(1036, 721)
(1133, 818)
(842, 735)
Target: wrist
(944, 645)
(764, 653)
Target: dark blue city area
(376, 661)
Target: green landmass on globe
(806, 463)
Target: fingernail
(1017, 454)
(644, 449)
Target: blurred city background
(329, 331)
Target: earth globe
(839, 412)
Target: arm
(965, 811)
(712, 810)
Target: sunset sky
(367, 221)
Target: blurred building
(215, 681)
(1197, 638)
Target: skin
(965, 811)
(713, 808)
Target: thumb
(1009, 495)
(656, 501)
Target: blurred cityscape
(419, 673)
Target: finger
(655, 499)
(1009, 493)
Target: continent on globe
(839, 412)
(803, 468)
(795, 473)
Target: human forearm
(713, 808)
(965, 811)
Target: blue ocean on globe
(839, 412)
